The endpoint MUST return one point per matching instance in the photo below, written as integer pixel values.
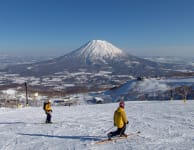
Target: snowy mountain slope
(118, 92)
(163, 125)
(94, 56)
(152, 88)
(98, 50)
(134, 89)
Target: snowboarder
(48, 110)
(120, 121)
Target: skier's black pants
(119, 131)
(48, 117)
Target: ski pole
(109, 129)
(106, 131)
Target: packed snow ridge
(96, 49)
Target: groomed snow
(163, 125)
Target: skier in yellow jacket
(48, 111)
(120, 121)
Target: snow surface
(150, 85)
(163, 125)
(9, 92)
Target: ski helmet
(122, 103)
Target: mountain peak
(99, 49)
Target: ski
(114, 139)
(111, 140)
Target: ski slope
(163, 125)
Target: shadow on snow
(81, 138)
(12, 123)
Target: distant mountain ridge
(94, 56)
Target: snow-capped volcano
(98, 49)
(94, 56)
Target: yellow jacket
(48, 107)
(120, 117)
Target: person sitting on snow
(120, 121)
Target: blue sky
(55, 27)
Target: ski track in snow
(163, 125)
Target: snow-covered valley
(163, 125)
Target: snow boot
(109, 136)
